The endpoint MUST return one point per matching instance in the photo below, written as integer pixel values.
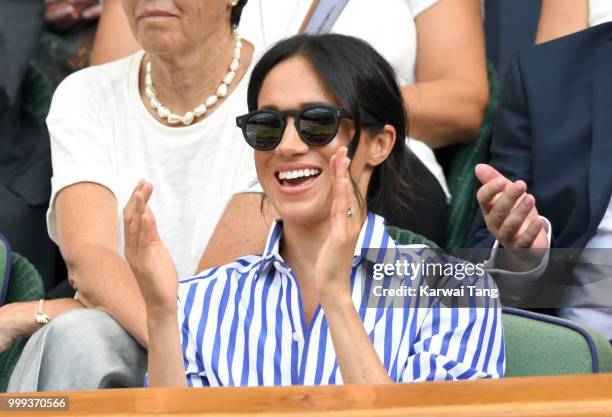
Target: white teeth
(290, 175)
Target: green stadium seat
(460, 176)
(37, 92)
(537, 344)
(406, 237)
(19, 281)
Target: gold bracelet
(42, 318)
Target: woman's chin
(302, 214)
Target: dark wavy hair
(364, 84)
(237, 12)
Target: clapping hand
(147, 255)
(334, 263)
(509, 212)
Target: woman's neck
(300, 250)
(301, 246)
(186, 79)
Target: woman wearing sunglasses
(325, 115)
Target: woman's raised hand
(334, 263)
(147, 255)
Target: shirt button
(297, 337)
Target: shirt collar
(272, 249)
(373, 244)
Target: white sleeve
(419, 6)
(514, 285)
(600, 11)
(80, 150)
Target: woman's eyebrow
(300, 106)
(316, 103)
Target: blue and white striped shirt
(242, 324)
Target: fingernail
(527, 201)
(500, 182)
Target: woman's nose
(291, 143)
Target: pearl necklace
(200, 110)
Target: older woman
(325, 116)
(165, 113)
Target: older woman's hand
(147, 255)
(334, 263)
(509, 211)
(16, 320)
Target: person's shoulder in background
(564, 54)
(582, 39)
(94, 83)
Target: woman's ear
(380, 145)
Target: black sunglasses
(317, 125)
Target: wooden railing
(572, 395)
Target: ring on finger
(351, 211)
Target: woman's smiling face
(294, 84)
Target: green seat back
(406, 237)
(536, 344)
(5, 269)
(24, 284)
(37, 92)
(460, 176)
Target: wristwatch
(42, 318)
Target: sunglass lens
(318, 126)
(263, 130)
